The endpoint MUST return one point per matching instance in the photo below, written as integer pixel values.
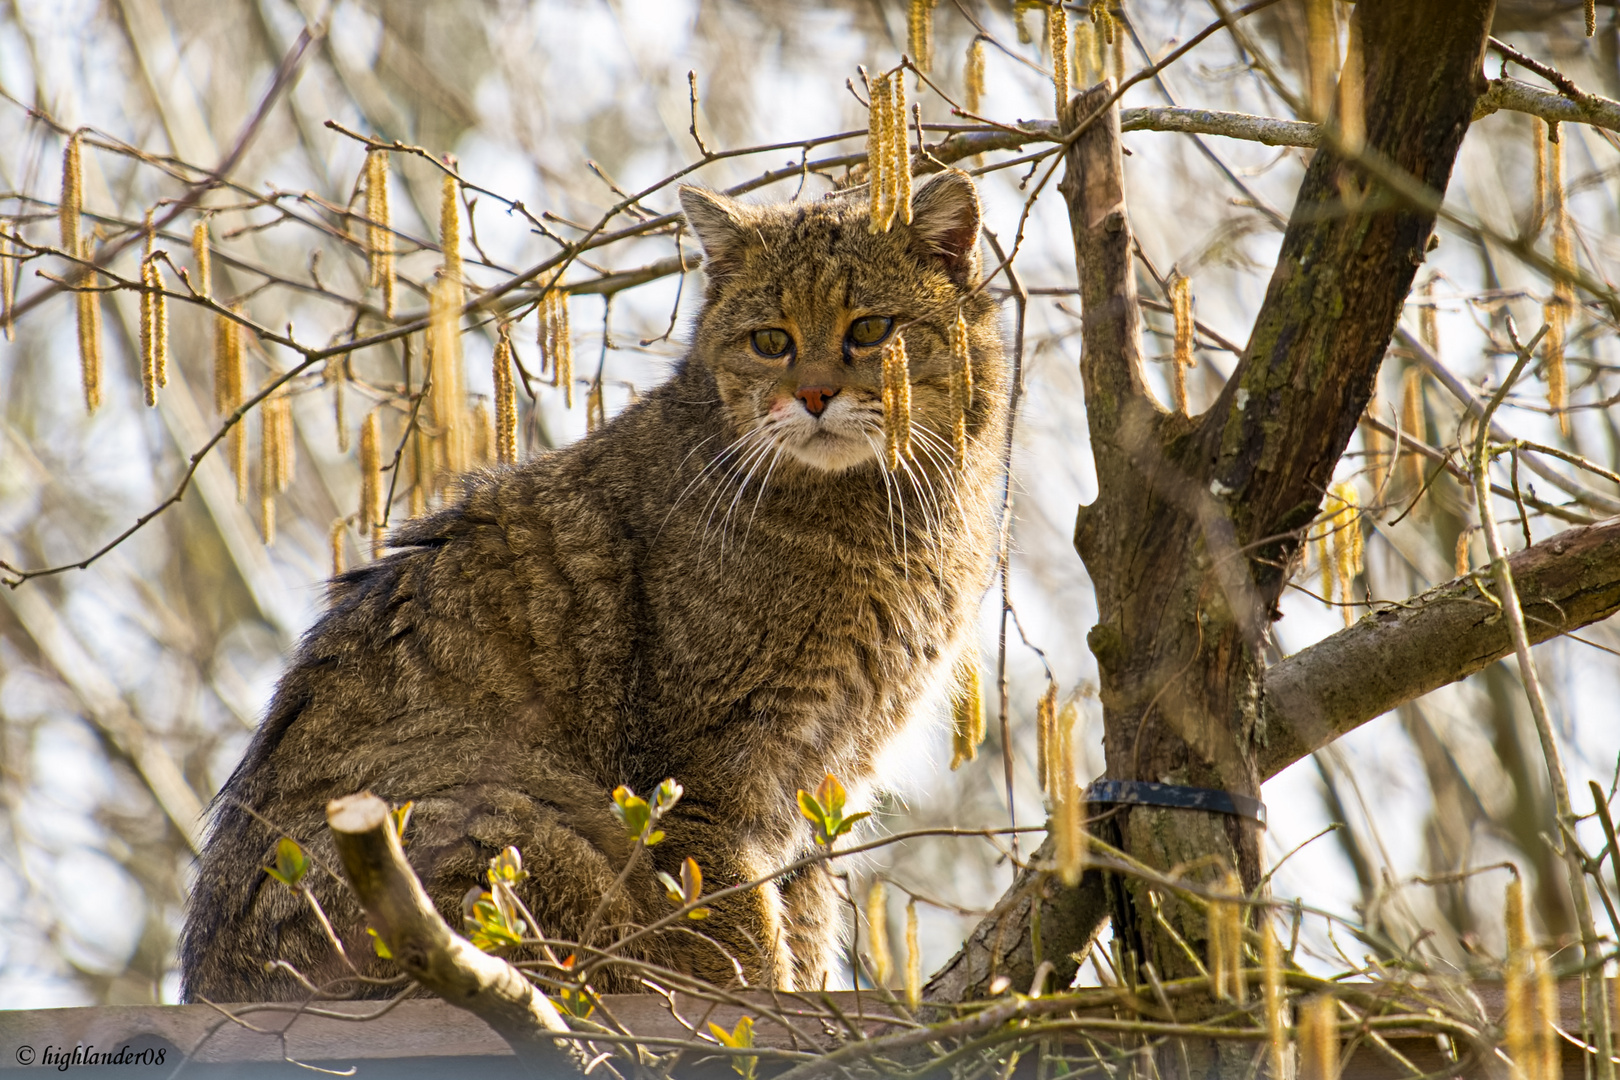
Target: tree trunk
(1198, 520)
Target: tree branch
(441, 960)
(1399, 652)
(1403, 651)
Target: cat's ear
(717, 221)
(945, 224)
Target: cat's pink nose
(815, 398)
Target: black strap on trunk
(1149, 793)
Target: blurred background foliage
(128, 690)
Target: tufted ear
(716, 220)
(945, 224)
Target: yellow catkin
(1019, 7)
(1116, 43)
(1591, 17)
(1538, 205)
(271, 463)
(878, 146)
(379, 228)
(89, 309)
(1560, 310)
(229, 378)
(961, 389)
(595, 410)
(421, 472)
(877, 921)
(148, 319)
(1046, 738)
(973, 76)
(899, 155)
(505, 399)
(1321, 54)
(1226, 940)
(967, 710)
(447, 392)
(1548, 1042)
(1272, 994)
(1057, 33)
(450, 227)
(483, 426)
(1518, 1023)
(920, 35)
(563, 363)
(1414, 427)
(1067, 814)
(913, 958)
(1460, 557)
(334, 376)
(334, 537)
(1086, 71)
(1428, 317)
(1352, 94)
(8, 279)
(1181, 312)
(72, 195)
(371, 477)
(1319, 1039)
(280, 407)
(202, 265)
(160, 321)
(1344, 524)
(896, 402)
(87, 304)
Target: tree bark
(1397, 653)
(1198, 521)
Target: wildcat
(724, 585)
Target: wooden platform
(417, 1040)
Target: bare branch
(441, 960)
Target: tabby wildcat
(723, 585)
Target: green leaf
(739, 1038)
(291, 863)
(491, 927)
(672, 888)
(830, 793)
(814, 812)
(825, 810)
(378, 946)
(632, 811)
(507, 868)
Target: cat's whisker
(943, 455)
(694, 481)
(739, 452)
(923, 485)
(742, 472)
(725, 524)
(763, 484)
(871, 436)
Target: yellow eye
(772, 344)
(870, 330)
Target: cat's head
(802, 298)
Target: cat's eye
(870, 329)
(772, 344)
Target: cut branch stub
(442, 961)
